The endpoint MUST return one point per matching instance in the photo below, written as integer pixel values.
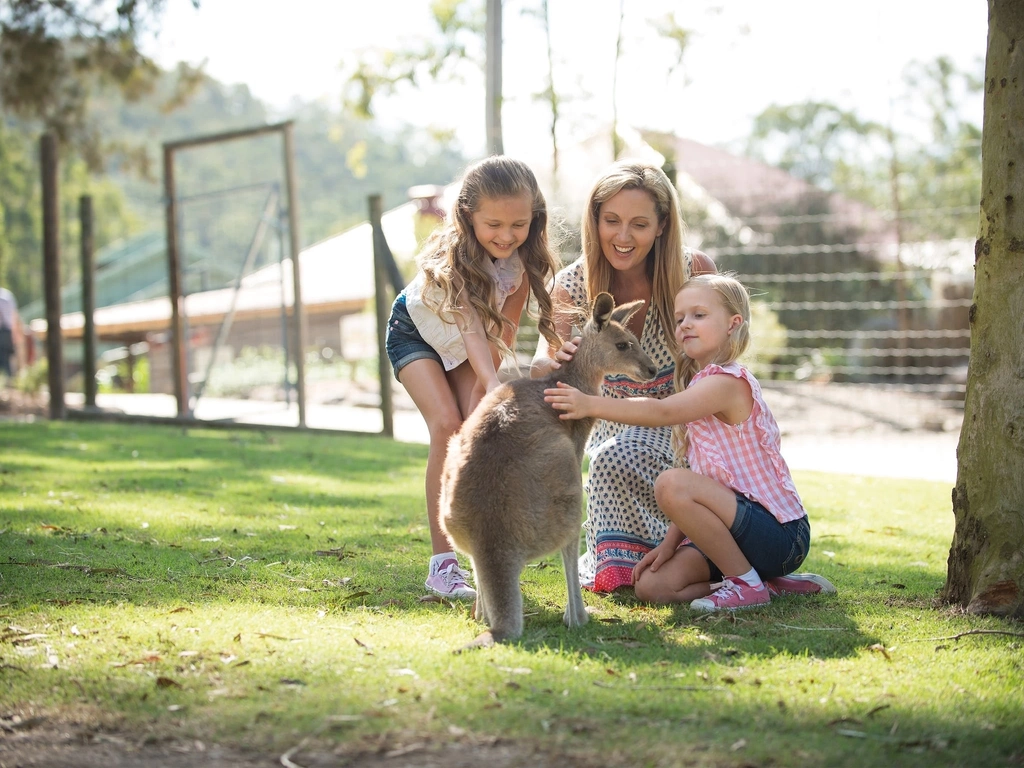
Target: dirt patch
(39, 741)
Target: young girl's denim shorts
(773, 548)
(402, 341)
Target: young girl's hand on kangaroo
(569, 400)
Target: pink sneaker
(450, 581)
(799, 584)
(734, 593)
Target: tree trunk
(495, 141)
(986, 559)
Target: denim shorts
(402, 341)
(773, 548)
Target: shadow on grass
(811, 627)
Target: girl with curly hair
(451, 326)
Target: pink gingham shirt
(745, 456)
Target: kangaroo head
(609, 347)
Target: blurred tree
(940, 177)
(377, 72)
(669, 28)
(616, 139)
(816, 141)
(53, 53)
(985, 568)
(19, 213)
(549, 94)
(340, 160)
(57, 57)
(928, 172)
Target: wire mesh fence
(856, 326)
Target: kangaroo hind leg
(575, 610)
(498, 586)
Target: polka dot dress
(623, 519)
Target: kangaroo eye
(622, 346)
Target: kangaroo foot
(483, 640)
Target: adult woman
(632, 248)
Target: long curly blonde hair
(454, 261)
(736, 301)
(665, 262)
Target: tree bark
(986, 560)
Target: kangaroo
(512, 487)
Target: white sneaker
(450, 581)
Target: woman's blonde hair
(454, 260)
(665, 264)
(735, 301)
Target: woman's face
(627, 224)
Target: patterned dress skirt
(623, 520)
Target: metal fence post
(51, 275)
(85, 217)
(298, 310)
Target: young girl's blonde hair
(454, 260)
(664, 264)
(736, 301)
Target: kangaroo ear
(602, 313)
(625, 311)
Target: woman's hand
(568, 399)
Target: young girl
(737, 504)
(450, 326)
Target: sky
(745, 56)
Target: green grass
(254, 588)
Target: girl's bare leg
(704, 510)
(430, 390)
(465, 388)
(680, 580)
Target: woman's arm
(727, 397)
(548, 357)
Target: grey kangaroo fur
(512, 489)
